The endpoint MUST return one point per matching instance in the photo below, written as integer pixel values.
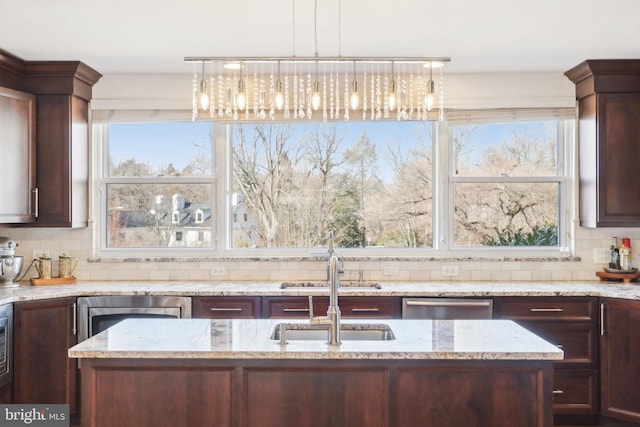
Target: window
(507, 182)
(158, 177)
(370, 182)
(483, 179)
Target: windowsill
(346, 258)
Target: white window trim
(222, 211)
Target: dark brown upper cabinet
(63, 90)
(608, 95)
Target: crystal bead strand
(421, 107)
(234, 104)
(256, 87)
(295, 95)
(324, 98)
(247, 101)
(194, 104)
(331, 94)
(286, 97)
(227, 111)
(385, 96)
(272, 92)
(372, 101)
(220, 95)
(403, 96)
(212, 95)
(372, 96)
(346, 94)
(337, 113)
(364, 96)
(378, 97)
(411, 94)
(308, 95)
(301, 98)
(262, 98)
(441, 96)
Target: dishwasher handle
(448, 303)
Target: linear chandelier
(319, 88)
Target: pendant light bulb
(354, 101)
(204, 96)
(315, 97)
(241, 97)
(279, 98)
(430, 95)
(392, 95)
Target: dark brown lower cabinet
(43, 333)
(570, 323)
(315, 393)
(620, 359)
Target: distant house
(184, 224)
(242, 223)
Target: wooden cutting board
(53, 281)
(625, 277)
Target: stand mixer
(10, 265)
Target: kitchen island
(197, 372)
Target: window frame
(99, 202)
(566, 142)
(444, 181)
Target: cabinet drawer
(575, 391)
(546, 308)
(286, 307)
(350, 307)
(578, 340)
(226, 307)
(363, 307)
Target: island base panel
(283, 393)
(157, 396)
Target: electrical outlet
(218, 271)
(449, 270)
(600, 255)
(391, 270)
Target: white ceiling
(145, 36)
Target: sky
(162, 143)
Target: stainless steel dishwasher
(447, 308)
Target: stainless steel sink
(348, 332)
(286, 285)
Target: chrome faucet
(332, 319)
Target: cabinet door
(43, 333)
(226, 307)
(315, 396)
(618, 154)
(62, 161)
(620, 359)
(17, 154)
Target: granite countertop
(251, 339)
(26, 292)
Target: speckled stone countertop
(251, 339)
(430, 289)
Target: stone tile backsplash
(79, 243)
